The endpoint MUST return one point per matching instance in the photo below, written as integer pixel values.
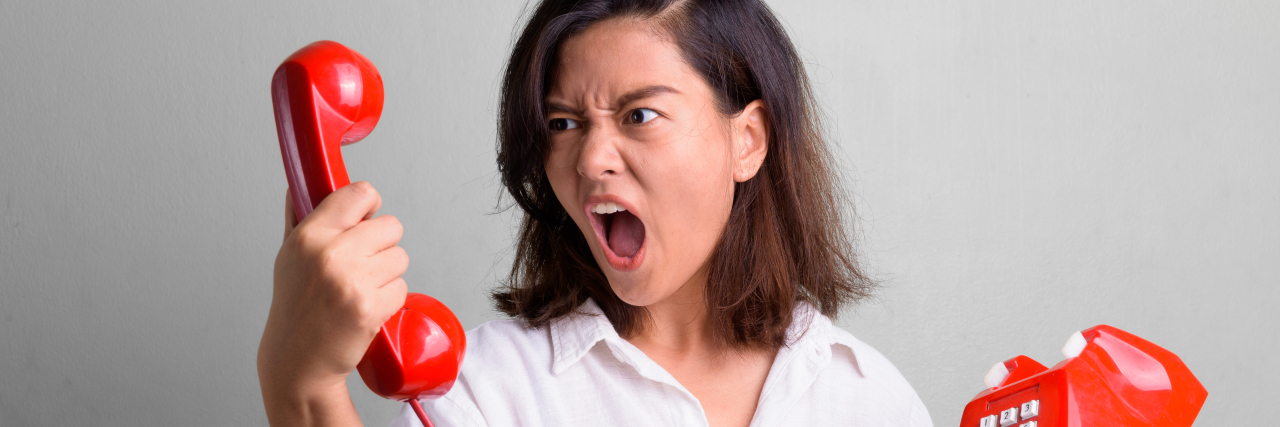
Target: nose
(600, 158)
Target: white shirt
(579, 372)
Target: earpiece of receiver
(325, 96)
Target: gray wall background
(1022, 170)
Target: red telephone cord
(417, 408)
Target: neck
(678, 324)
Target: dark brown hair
(785, 240)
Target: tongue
(626, 234)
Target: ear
(751, 140)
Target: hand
(337, 280)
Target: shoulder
(879, 379)
(868, 361)
(509, 343)
(815, 330)
(507, 332)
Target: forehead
(615, 56)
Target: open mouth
(620, 232)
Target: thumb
(290, 217)
(346, 207)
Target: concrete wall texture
(1022, 170)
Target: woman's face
(641, 158)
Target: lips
(620, 232)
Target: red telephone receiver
(326, 95)
(1110, 378)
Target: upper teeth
(607, 208)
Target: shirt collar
(573, 335)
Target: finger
(391, 296)
(290, 217)
(346, 207)
(373, 236)
(387, 265)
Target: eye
(562, 124)
(641, 115)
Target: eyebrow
(627, 98)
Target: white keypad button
(1009, 417)
(987, 421)
(1030, 409)
(1028, 424)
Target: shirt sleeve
(443, 412)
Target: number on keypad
(987, 421)
(1030, 409)
(1009, 417)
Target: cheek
(562, 174)
(697, 189)
(559, 160)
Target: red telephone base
(1118, 379)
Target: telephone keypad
(1009, 417)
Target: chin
(636, 293)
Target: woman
(680, 255)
